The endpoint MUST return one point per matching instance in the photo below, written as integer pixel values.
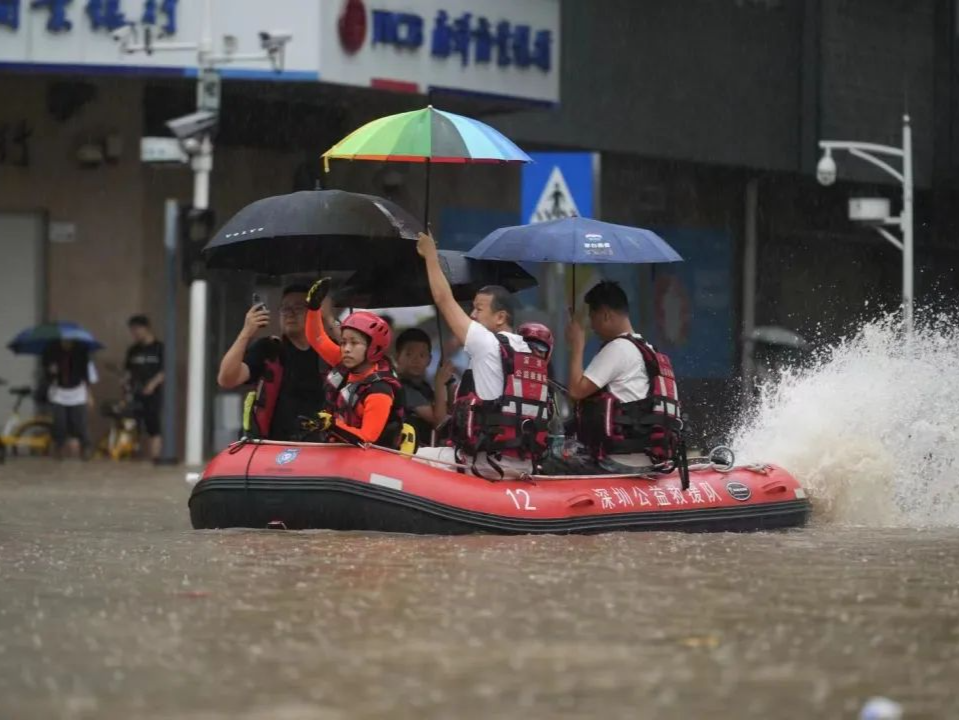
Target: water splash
(871, 429)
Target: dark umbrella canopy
(310, 231)
(575, 240)
(33, 341)
(406, 284)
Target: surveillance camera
(124, 34)
(193, 125)
(274, 40)
(191, 145)
(826, 170)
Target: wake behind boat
(300, 486)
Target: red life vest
(652, 425)
(344, 399)
(515, 423)
(268, 392)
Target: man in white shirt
(492, 316)
(618, 367)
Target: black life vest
(652, 425)
(515, 424)
(424, 430)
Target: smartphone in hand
(258, 303)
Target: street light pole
(826, 174)
(198, 145)
(907, 226)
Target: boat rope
(644, 472)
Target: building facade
(705, 114)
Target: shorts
(148, 411)
(69, 421)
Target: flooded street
(111, 606)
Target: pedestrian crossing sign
(556, 200)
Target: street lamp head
(826, 169)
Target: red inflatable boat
(309, 486)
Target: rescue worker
(287, 372)
(363, 400)
(501, 408)
(629, 404)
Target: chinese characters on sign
(471, 40)
(697, 494)
(106, 15)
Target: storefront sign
(504, 47)
(107, 15)
(494, 47)
(82, 35)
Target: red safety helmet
(538, 337)
(373, 327)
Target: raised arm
(233, 371)
(316, 335)
(458, 321)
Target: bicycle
(32, 436)
(122, 441)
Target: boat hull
(304, 486)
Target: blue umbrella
(575, 240)
(33, 341)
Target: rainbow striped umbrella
(427, 136)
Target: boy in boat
(501, 408)
(629, 403)
(425, 405)
(362, 391)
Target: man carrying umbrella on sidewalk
(65, 350)
(501, 410)
(70, 372)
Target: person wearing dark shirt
(144, 377)
(288, 373)
(425, 404)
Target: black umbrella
(313, 230)
(405, 283)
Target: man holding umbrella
(501, 411)
(629, 402)
(65, 349)
(70, 372)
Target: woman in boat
(362, 391)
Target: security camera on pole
(195, 135)
(875, 211)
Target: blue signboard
(555, 183)
(692, 303)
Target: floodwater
(111, 606)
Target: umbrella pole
(573, 298)
(426, 225)
(426, 210)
